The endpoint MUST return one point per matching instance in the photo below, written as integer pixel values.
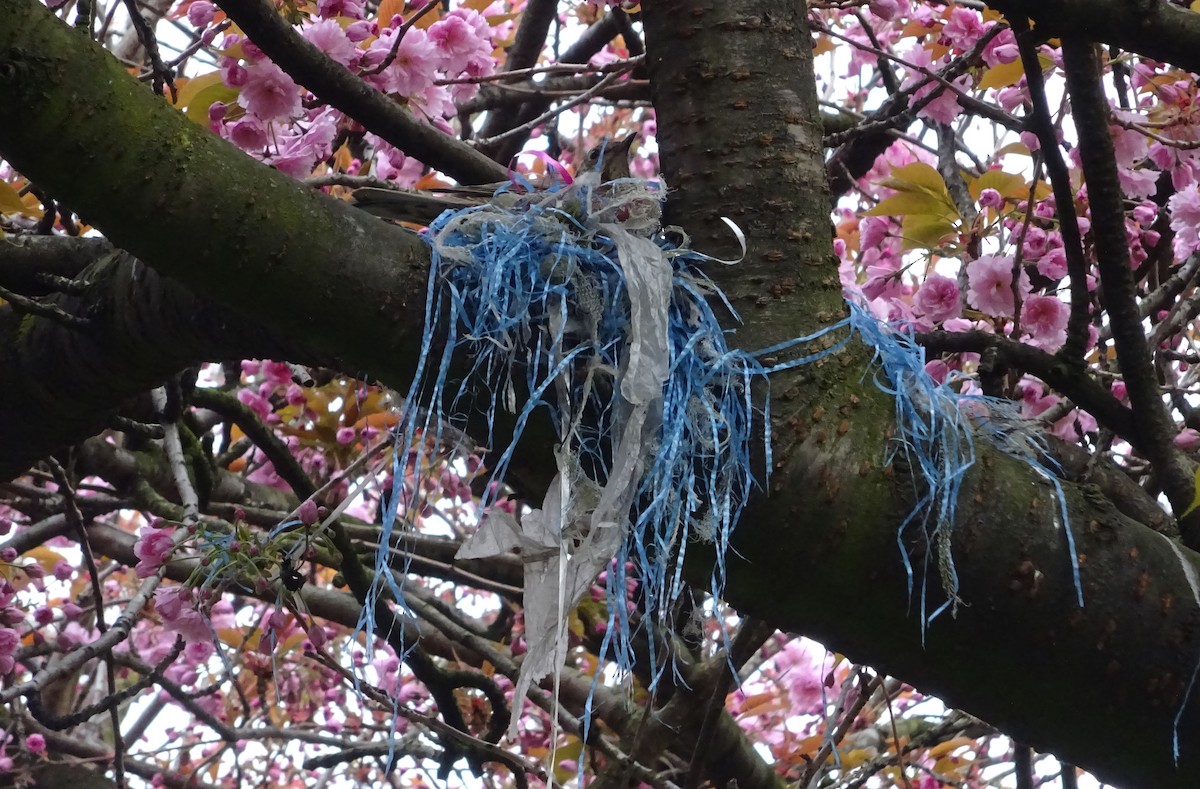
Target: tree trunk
(1098, 685)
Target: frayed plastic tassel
(936, 428)
(654, 417)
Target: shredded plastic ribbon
(936, 430)
(574, 305)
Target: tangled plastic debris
(576, 303)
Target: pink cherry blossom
(1138, 182)
(201, 13)
(1188, 439)
(308, 512)
(415, 65)
(73, 635)
(222, 615)
(276, 373)
(944, 108)
(1184, 207)
(233, 73)
(479, 66)
(302, 146)
(197, 652)
(360, 31)
(269, 94)
(802, 668)
(1129, 145)
(152, 549)
(1001, 49)
(871, 231)
(964, 28)
(192, 626)
(170, 601)
(1035, 401)
(179, 614)
(9, 641)
(436, 102)
(247, 133)
(990, 279)
(328, 36)
(883, 275)
(63, 570)
(459, 36)
(1145, 213)
(938, 298)
(937, 370)
(257, 403)
(884, 9)
(1053, 264)
(1033, 242)
(1013, 98)
(35, 744)
(335, 8)
(316, 636)
(1045, 319)
(990, 198)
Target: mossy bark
(818, 552)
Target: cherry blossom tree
(242, 545)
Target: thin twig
(43, 309)
(75, 518)
(163, 76)
(1064, 196)
(551, 114)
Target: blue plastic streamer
(936, 428)
(535, 300)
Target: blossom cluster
(1000, 265)
(428, 69)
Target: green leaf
(924, 231)
(906, 204)
(198, 108)
(917, 175)
(10, 201)
(1009, 185)
(199, 93)
(1195, 497)
(1002, 75)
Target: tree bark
(61, 382)
(1099, 685)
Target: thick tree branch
(1063, 375)
(1158, 29)
(204, 212)
(1020, 654)
(1150, 416)
(61, 384)
(835, 571)
(821, 554)
(1064, 197)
